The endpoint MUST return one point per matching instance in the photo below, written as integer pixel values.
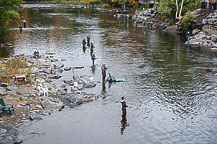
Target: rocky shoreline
(24, 96)
(203, 30)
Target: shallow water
(171, 87)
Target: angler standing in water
(88, 40)
(188, 37)
(124, 106)
(84, 42)
(103, 68)
(93, 57)
(91, 47)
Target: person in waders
(88, 40)
(124, 106)
(84, 42)
(93, 57)
(103, 68)
(91, 47)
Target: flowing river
(171, 87)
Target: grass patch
(11, 68)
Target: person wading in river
(103, 68)
(88, 40)
(84, 42)
(124, 106)
(91, 47)
(93, 57)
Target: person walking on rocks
(104, 68)
(124, 106)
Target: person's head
(122, 98)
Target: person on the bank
(88, 40)
(124, 106)
(93, 57)
(91, 47)
(24, 23)
(103, 68)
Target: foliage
(187, 20)
(167, 8)
(8, 11)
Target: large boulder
(89, 85)
(23, 89)
(214, 37)
(204, 21)
(51, 103)
(2, 91)
(195, 31)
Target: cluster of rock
(147, 19)
(207, 36)
(29, 103)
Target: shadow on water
(124, 124)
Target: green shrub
(187, 20)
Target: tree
(8, 12)
(179, 11)
(176, 8)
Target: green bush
(187, 20)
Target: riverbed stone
(51, 103)
(23, 89)
(67, 81)
(50, 53)
(195, 31)
(67, 68)
(4, 84)
(58, 64)
(89, 85)
(2, 91)
(54, 60)
(214, 37)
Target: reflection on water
(124, 124)
(171, 87)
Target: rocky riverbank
(203, 30)
(28, 103)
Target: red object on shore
(20, 78)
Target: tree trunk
(180, 12)
(177, 9)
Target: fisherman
(24, 23)
(84, 42)
(88, 40)
(21, 28)
(124, 106)
(104, 68)
(91, 47)
(93, 57)
(188, 37)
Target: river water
(171, 87)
